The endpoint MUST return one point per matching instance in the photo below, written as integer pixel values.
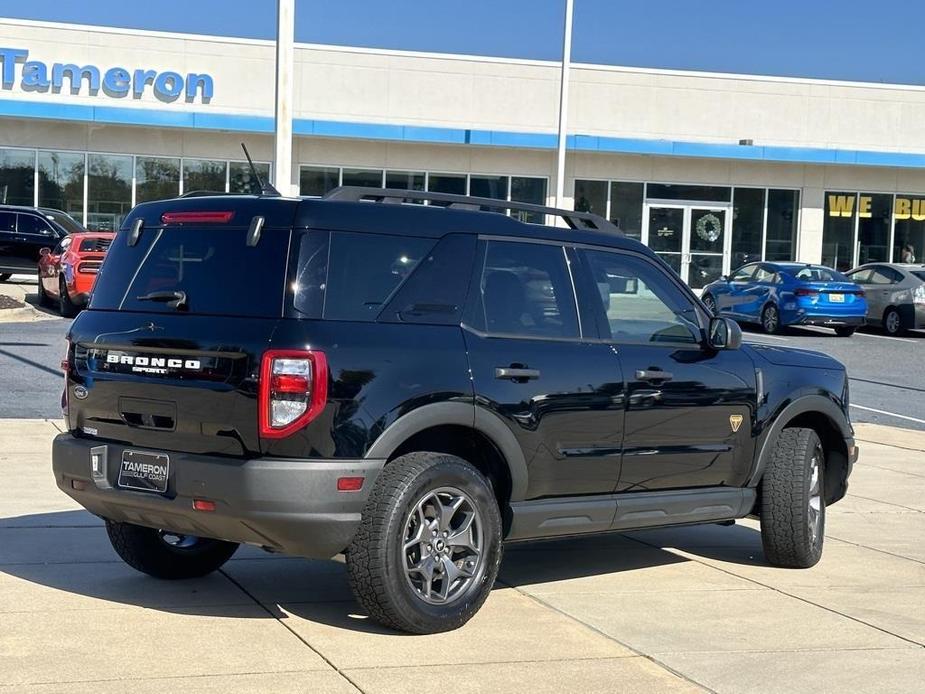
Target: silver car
(895, 295)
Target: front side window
(7, 221)
(525, 291)
(765, 274)
(31, 224)
(641, 303)
(744, 274)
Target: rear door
(34, 233)
(168, 356)
(689, 409)
(10, 255)
(560, 395)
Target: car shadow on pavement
(27, 290)
(69, 552)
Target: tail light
(89, 267)
(918, 294)
(804, 291)
(858, 292)
(293, 390)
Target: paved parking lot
(678, 610)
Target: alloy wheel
(442, 545)
(892, 322)
(770, 319)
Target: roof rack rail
(209, 193)
(575, 220)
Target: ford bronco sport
(413, 385)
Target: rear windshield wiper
(174, 299)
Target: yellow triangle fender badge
(735, 421)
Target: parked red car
(67, 272)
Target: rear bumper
(291, 506)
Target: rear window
(219, 273)
(95, 245)
(919, 273)
(817, 274)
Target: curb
(27, 313)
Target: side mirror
(44, 251)
(727, 278)
(724, 333)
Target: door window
(884, 275)
(31, 224)
(744, 274)
(861, 276)
(640, 302)
(765, 274)
(526, 291)
(7, 221)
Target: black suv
(414, 384)
(24, 231)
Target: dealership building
(710, 170)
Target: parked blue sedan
(776, 295)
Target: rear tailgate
(836, 295)
(167, 382)
(149, 371)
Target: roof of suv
(398, 219)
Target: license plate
(146, 472)
(837, 298)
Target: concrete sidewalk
(688, 609)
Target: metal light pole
(563, 103)
(285, 59)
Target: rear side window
(525, 291)
(219, 273)
(95, 245)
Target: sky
(827, 39)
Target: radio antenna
(264, 187)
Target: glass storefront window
(446, 183)
(531, 190)
(747, 225)
(668, 191)
(318, 180)
(367, 178)
(61, 182)
(240, 177)
(404, 180)
(109, 190)
(17, 177)
(626, 207)
(874, 216)
(838, 230)
(204, 175)
(591, 196)
(783, 217)
(156, 178)
(494, 187)
(909, 233)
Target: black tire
(893, 323)
(846, 331)
(377, 558)
(710, 303)
(44, 299)
(770, 319)
(791, 533)
(4, 276)
(151, 551)
(65, 305)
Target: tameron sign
(117, 82)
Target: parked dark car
(895, 295)
(776, 295)
(24, 231)
(413, 385)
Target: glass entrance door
(666, 235)
(706, 246)
(692, 239)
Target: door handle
(653, 375)
(511, 373)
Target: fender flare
(802, 405)
(461, 414)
